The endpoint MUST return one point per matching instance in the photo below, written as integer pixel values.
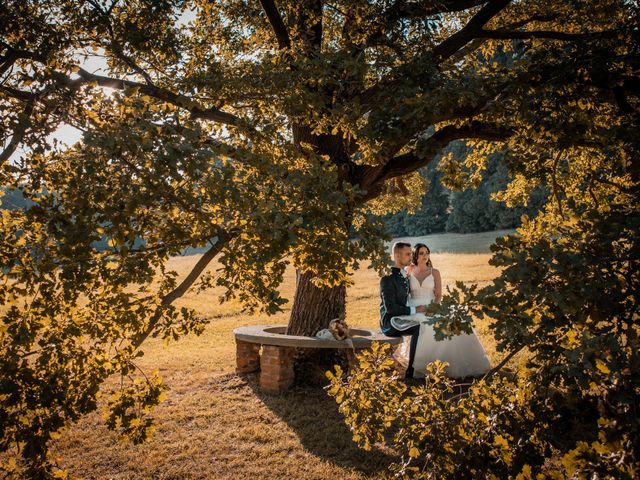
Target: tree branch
(6, 62)
(212, 113)
(308, 20)
(401, 10)
(504, 361)
(18, 94)
(114, 46)
(465, 107)
(277, 24)
(224, 237)
(474, 44)
(459, 39)
(18, 133)
(373, 177)
(119, 52)
(410, 162)
(440, 52)
(15, 53)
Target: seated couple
(412, 285)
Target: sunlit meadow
(216, 424)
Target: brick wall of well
(276, 368)
(247, 357)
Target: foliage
(489, 432)
(572, 301)
(267, 131)
(567, 296)
(71, 316)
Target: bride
(464, 353)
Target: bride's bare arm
(437, 289)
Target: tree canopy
(267, 131)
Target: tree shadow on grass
(313, 415)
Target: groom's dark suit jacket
(394, 292)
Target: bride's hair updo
(416, 251)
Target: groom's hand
(421, 309)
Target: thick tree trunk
(313, 307)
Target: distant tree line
(465, 211)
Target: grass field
(215, 424)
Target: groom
(394, 296)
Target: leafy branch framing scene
(174, 169)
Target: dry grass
(215, 424)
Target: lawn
(216, 424)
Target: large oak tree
(270, 131)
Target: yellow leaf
(525, 474)
(500, 441)
(600, 365)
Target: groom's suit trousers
(414, 332)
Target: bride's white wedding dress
(464, 353)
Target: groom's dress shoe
(409, 373)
